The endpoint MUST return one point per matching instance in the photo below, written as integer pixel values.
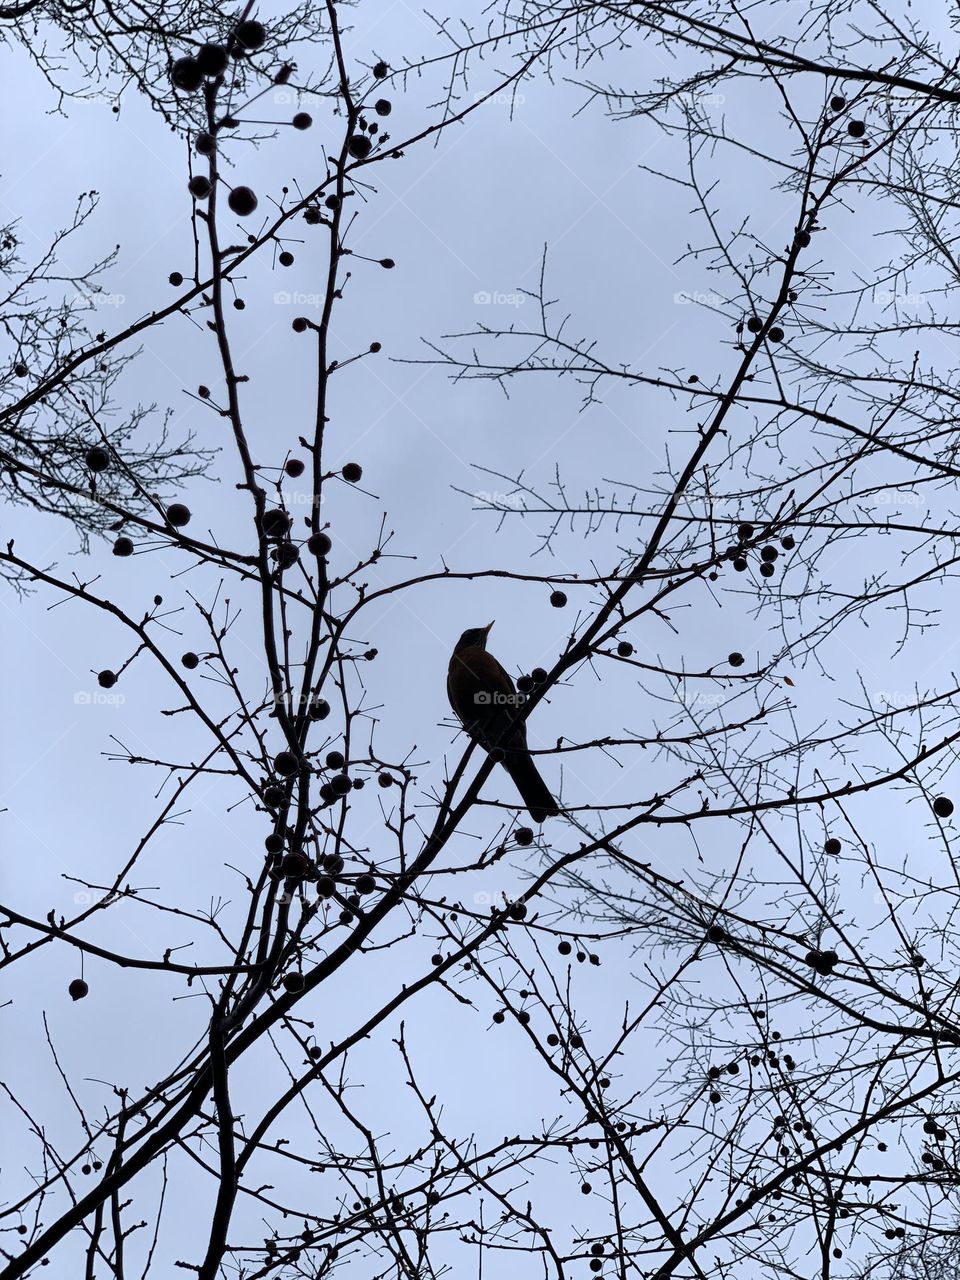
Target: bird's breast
(476, 684)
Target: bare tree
(812, 1075)
(774, 1091)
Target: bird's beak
(486, 629)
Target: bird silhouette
(486, 702)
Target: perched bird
(486, 702)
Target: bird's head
(473, 637)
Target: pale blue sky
(464, 219)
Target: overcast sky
(467, 221)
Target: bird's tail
(533, 790)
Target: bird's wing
(484, 697)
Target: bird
(485, 701)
